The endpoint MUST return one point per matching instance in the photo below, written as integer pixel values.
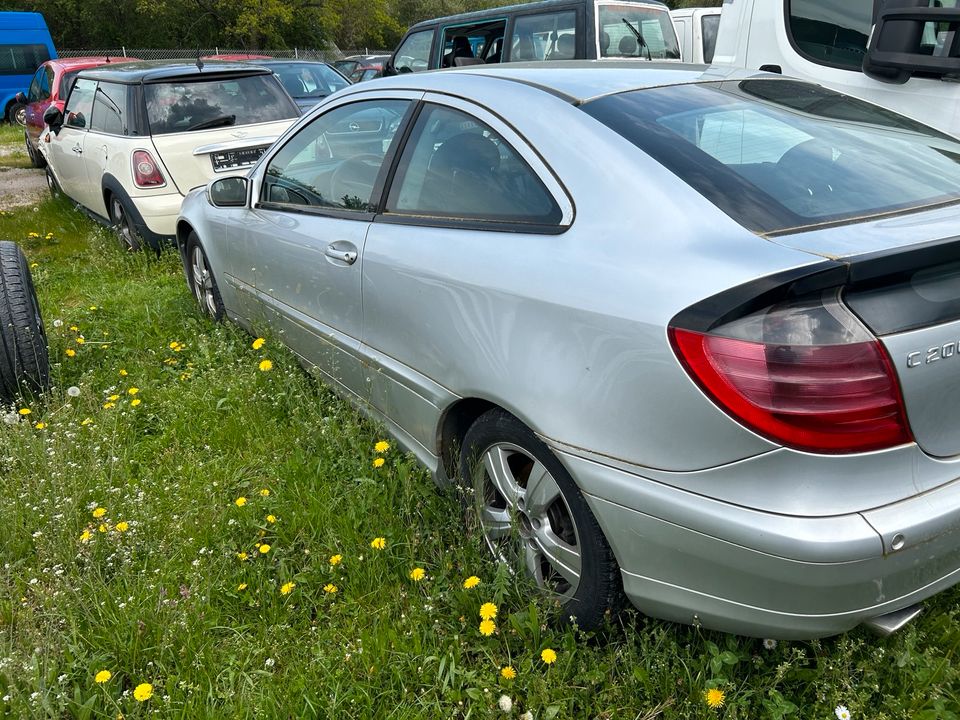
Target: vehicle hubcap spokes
(203, 282)
(123, 226)
(525, 521)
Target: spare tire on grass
(24, 365)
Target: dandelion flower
(40, 425)
(382, 446)
(714, 697)
(133, 391)
(241, 587)
(240, 501)
(101, 677)
(103, 527)
(258, 343)
(488, 611)
(471, 582)
(85, 536)
(769, 643)
(99, 512)
(287, 588)
(80, 340)
(93, 307)
(330, 588)
(271, 519)
(265, 492)
(134, 402)
(123, 373)
(336, 559)
(549, 656)
(241, 556)
(378, 462)
(73, 390)
(266, 365)
(113, 398)
(264, 549)
(122, 526)
(70, 352)
(86, 421)
(74, 328)
(143, 692)
(24, 411)
(505, 703)
(108, 405)
(418, 574)
(378, 543)
(842, 713)
(508, 673)
(487, 627)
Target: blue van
(25, 44)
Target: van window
(472, 44)
(710, 24)
(414, 54)
(550, 36)
(829, 32)
(80, 104)
(110, 109)
(631, 31)
(22, 59)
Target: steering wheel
(351, 183)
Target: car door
(470, 216)
(38, 98)
(66, 147)
(307, 231)
(108, 127)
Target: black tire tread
(24, 363)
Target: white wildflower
(73, 391)
(842, 712)
(505, 703)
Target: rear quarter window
(188, 105)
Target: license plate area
(224, 160)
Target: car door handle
(345, 256)
(77, 149)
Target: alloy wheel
(202, 280)
(122, 223)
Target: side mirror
(53, 117)
(907, 39)
(20, 98)
(228, 192)
(388, 69)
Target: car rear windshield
(779, 155)
(187, 105)
(632, 31)
(309, 80)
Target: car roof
(75, 63)
(491, 13)
(576, 81)
(158, 70)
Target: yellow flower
(143, 692)
(488, 611)
(70, 352)
(241, 587)
(123, 526)
(242, 556)
(99, 512)
(74, 328)
(123, 373)
(330, 588)
(103, 528)
(378, 462)
(108, 405)
(80, 340)
(133, 391)
(264, 549)
(174, 345)
(258, 343)
(86, 421)
(113, 398)
(93, 307)
(40, 425)
(714, 697)
(471, 582)
(85, 536)
(271, 518)
(33, 235)
(335, 559)
(287, 588)
(266, 366)
(265, 492)
(134, 402)
(508, 673)
(382, 446)
(378, 543)
(487, 627)
(548, 656)
(101, 677)
(418, 574)
(24, 411)
(240, 501)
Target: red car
(234, 57)
(50, 86)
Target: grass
(159, 594)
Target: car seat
(461, 175)
(628, 45)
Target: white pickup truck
(901, 54)
(697, 32)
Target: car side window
(414, 54)
(80, 103)
(33, 94)
(335, 161)
(455, 166)
(110, 109)
(550, 36)
(831, 33)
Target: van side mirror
(388, 69)
(907, 39)
(228, 192)
(53, 117)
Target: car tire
(122, 223)
(533, 518)
(17, 114)
(52, 185)
(201, 279)
(24, 363)
(36, 159)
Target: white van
(697, 32)
(878, 50)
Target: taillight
(146, 173)
(806, 374)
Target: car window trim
(452, 223)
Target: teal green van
(25, 44)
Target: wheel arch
(453, 427)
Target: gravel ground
(19, 186)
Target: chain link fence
(326, 54)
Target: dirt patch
(21, 187)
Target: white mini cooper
(133, 139)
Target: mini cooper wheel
(534, 518)
(123, 225)
(202, 282)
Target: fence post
(296, 53)
(124, 50)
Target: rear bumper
(158, 216)
(692, 559)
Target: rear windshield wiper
(643, 43)
(214, 122)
